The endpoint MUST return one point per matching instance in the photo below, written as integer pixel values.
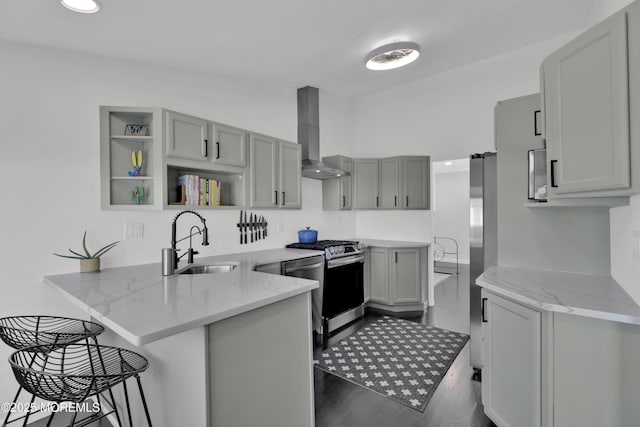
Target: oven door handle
(345, 261)
(304, 267)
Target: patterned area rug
(402, 360)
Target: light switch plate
(133, 230)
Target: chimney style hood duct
(309, 136)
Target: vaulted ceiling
(295, 42)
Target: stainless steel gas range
(340, 299)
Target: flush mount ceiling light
(392, 56)
(448, 163)
(81, 6)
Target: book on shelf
(198, 191)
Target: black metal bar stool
(76, 372)
(45, 332)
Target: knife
(251, 226)
(264, 223)
(260, 227)
(244, 227)
(255, 227)
(240, 227)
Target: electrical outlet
(133, 230)
(636, 244)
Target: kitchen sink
(207, 268)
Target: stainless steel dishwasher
(311, 268)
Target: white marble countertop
(587, 295)
(391, 243)
(142, 306)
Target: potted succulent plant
(89, 263)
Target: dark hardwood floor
(457, 400)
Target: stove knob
(332, 250)
(360, 247)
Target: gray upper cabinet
(336, 193)
(187, 137)
(415, 182)
(275, 173)
(511, 376)
(289, 174)
(392, 183)
(365, 184)
(263, 160)
(586, 96)
(405, 276)
(389, 183)
(229, 146)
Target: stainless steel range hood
(309, 136)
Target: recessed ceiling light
(81, 6)
(392, 55)
(317, 170)
(448, 163)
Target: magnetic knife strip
(252, 227)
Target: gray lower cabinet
(544, 368)
(230, 145)
(511, 376)
(336, 193)
(187, 137)
(396, 278)
(414, 182)
(590, 93)
(405, 276)
(275, 173)
(365, 184)
(379, 275)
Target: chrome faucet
(170, 256)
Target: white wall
(446, 116)
(451, 214)
(49, 134)
(601, 9)
(450, 115)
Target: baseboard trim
(408, 308)
(453, 260)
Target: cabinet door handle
(484, 319)
(536, 114)
(344, 201)
(377, 204)
(407, 201)
(553, 173)
(204, 148)
(283, 198)
(395, 200)
(217, 150)
(396, 257)
(276, 197)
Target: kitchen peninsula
(230, 348)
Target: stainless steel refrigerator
(483, 241)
